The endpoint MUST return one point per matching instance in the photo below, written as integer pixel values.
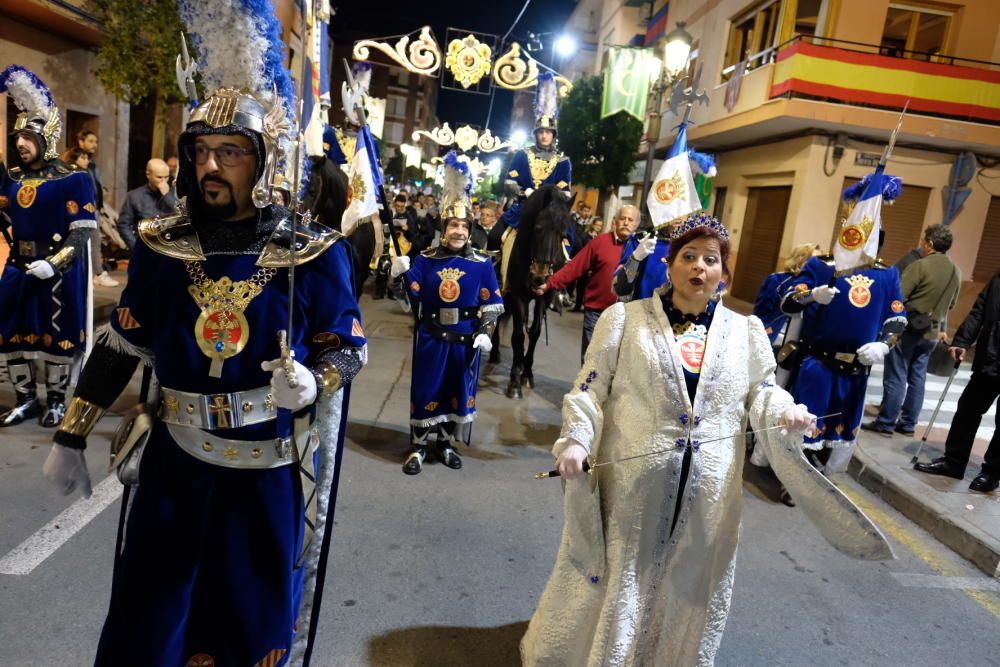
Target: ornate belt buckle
(846, 357)
(26, 248)
(218, 411)
(448, 316)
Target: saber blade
(588, 466)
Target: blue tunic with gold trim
(453, 290)
(45, 318)
(869, 302)
(209, 568)
(531, 168)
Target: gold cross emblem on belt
(220, 410)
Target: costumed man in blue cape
(672, 197)
(457, 304)
(45, 299)
(225, 533)
(537, 165)
(853, 312)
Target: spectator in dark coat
(155, 198)
(979, 329)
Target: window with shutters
(988, 259)
(902, 221)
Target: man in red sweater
(599, 259)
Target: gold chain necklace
(222, 330)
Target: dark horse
(326, 198)
(537, 254)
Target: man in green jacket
(930, 287)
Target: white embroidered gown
(624, 591)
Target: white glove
(284, 396)
(528, 192)
(482, 342)
(797, 420)
(400, 265)
(570, 462)
(644, 249)
(871, 353)
(66, 468)
(824, 294)
(41, 269)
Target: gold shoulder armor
(311, 240)
(172, 235)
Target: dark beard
(220, 211)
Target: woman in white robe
(645, 568)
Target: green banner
(627, 81)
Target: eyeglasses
(227, 156)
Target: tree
(602, 149)
(136, 59)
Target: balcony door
(760, 241)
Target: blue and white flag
(364, 178)
(857, 243)
(673, 194)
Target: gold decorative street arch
(468, 60)
(422, 56)
(516, 72)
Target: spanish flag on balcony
(867, 78)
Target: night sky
(379, 18)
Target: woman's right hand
(570, 461)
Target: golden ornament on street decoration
(468, 60)
(514, 72)
(422, 56)
(466, 137)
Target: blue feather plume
(28, 92)
(704, 162)
(892, 187)
(452, 161)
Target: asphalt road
(445, 568)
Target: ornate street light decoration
(422, 56)
(515, 72)
(469, 60)
(465, 138)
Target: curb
(961, 536)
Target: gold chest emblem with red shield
(28, 191)
(449, 289)
(860, 294)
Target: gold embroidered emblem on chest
(541, 168)
(449, 289)
(860, 294)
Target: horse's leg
(517, 345)
(533, 334)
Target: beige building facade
(821, 91)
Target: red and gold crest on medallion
(484, 294)
(72, 207)
(897, 306)
(26, 195)
(449, 290)
(860, 294)
(669, 189)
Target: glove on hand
(41, 269)
(482, 342)
(871, 353)
(824, 294)
(644, 249)
(570, 462)
(797, 420)
(400, 265)
(66, 468)
(284, 396)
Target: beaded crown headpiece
(696, 220)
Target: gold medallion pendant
(221, 330)
(221, 335)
